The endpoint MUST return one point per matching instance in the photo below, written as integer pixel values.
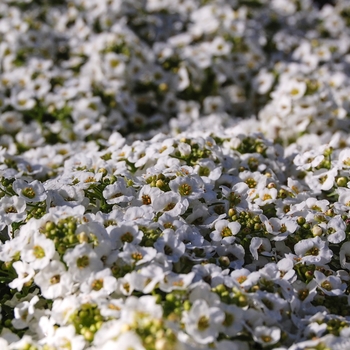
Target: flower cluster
(174, 175)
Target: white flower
(99, 284)
(38, 251)
(24, 313)
(232, 254)
(82, 261)
(259, 245)
(266, 196)
(331, 285)
(11, 121)
(171, 203)
(263, 81)
(114, 64)
(280, 228)
(344, 158)
(336, 230)
(170, 244)
(208, 170)
(173, 281)
(304, 293)
(285, 266)
(142, 215)
(30, 192)
(344, 255)
(125, 341)
(134, 254)
(22, 100)
(266, 335)
(118, 193)
(147, 278)
(225, 231)
(202, 322)
(125, 233)
(213, 104)
(188, 187)
(183, 80)
(283, 106)
(233, 322)
(144, 306)
(12, 209)
(271, 304)
(24, 274)
(65, 338)
(30, 135)
(54, 280)
(295, 89)
(313, 251)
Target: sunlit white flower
(24, 274)
(54, 280)
(125, 233)
(188, 187)
(125, 341)
(66, 337)
(82, 260)
(134, 254)
(30, 192)
(99, 284)
(38, 251)
(171, 203)
(24, 313)
(225, 231)
(202, 322)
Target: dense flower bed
(174, 174)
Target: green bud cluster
(239, 298)
(6, 187)
(62, 233)
(252, 145)
(87, 320)
(149, 236)
(336, 305)
(174, 304)
(335, 326)
(225, 294)
(120, 270)
(306, 230)
(251, 226)
(197, 153)
(160, 181)
(29, 347)
(154, 333)
(305, 272)
(37, 212)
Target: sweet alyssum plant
(174, 175)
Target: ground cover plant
(174, 174)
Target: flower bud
(316, 230)
(342, 181)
